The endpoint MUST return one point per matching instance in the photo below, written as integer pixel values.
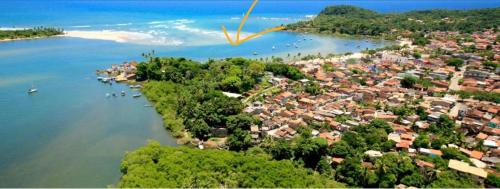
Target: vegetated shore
(15, 34)
(361, 150)
(30, 38)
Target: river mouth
(69, 134)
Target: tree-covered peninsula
(189, 94)
(153, 166)
(367, 120)
(351, 20)
(38, 32)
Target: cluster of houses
(122, 72)
(475, 75)
(357, 89)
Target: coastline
(109, 35)
(185, 137)
(30, 38)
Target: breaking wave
(160, 32)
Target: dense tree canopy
(352, 20)
(285, 70)
(29, 33)
(189, 94)
(154, 166)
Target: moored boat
(32, 89)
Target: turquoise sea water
(69, 134)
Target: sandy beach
(124, 37)
(118, 36)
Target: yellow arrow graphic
(238, 41)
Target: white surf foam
(124, 37)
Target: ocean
(70, 134)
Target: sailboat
(32, 89)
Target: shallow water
(69, 134)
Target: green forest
(154, 166)
(351, 20)
(188, 94)
(29, 33)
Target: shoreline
(132, 37)
(30, 38)
(185, 137)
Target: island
(418, 114)
(34, 33)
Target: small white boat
(274, 47)
(123, 93)
(108, 95)
(255, 53)
(32, 89)
(136, 95)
